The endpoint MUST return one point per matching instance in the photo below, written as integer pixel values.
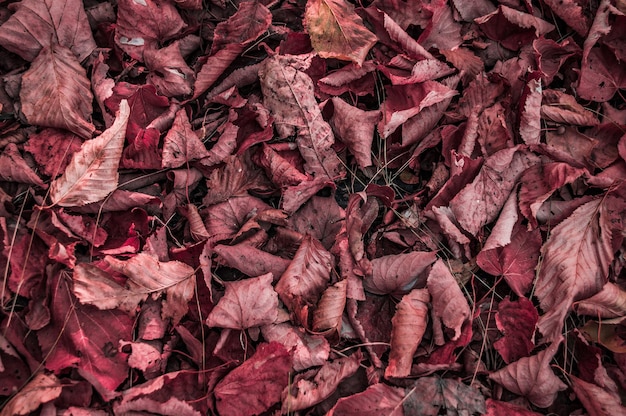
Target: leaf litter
(317, 207)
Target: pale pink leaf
(250, 260)
(449, 303)
(307, 350)
(305, 392)
(530, 119)
(42, 388)
(94, 286)
(257, 384)
(563, 108)
(92, 174)
(576, 260)
(610, 302)
(38, 24)
(399, 273)
(289, 94)
(479, 203)
(532, 377)
(336, 31)
(57, 93)
(246, 304)
(13, 167)
(328, 314)
(409, 325)
(181, 144)
(148, 275)
(307, 275)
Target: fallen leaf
(399, 273)
(449, 304)
(336, 31)
(43, 388)
(56, 92)
(92, 174)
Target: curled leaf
(449, 303)
(327, 316)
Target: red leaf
(169, 72)
(36, 25)
(517, 321)
(532, 377)
(43, 388)
(596, 400)
(320, 217)
(289, 94)
(181, 144)
(571, 13)
(409, 325)
(145, 24)
(449, 304)
(398, 274)
(610, 302)
(246, 304)
(336, 31)
(56, 92)
(329, 312)
(257, 384)
(305, 392)
(376, 400)
(601, 75)
(251, 261)
(13, 168)
(307, 275)
(306, 350)
(513, 28)
(53, 159)
(576, 261)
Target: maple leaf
(336, 31)
(92, 173)
(576, 259)
(56, 92)
(37, 25)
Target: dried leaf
(449, 304)
(92, 174)
(409, 325)
(398, 274)
(610, 302)
(38, 24)
(306, 350)
(597, 401)
(327, 317)
(576, 261)
(532, 377)
(43, 388)
(246, 304)
(56, 92)
(181, 144)
(336, 31)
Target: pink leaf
(251, 261)
(307, 275)
(571, 13)
(576, 261)
(37, 24)
(305, 392)
(53, 161)
(409, 325)
(377, 399)
(399, 273)
(289, 94)
(610, 302)
(480, 202)
(246, 304)
(42, 388)
(169, 72)
(532, 377)
(257, 384)
(596, 400)
(56, 92)
(329, 312)
(145, 24)
(13, 168)
(92, 174)
(355, 128)
(449, 304)
(181, 144)
(320, 217)
(307, 350)
(336, 31)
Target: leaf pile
(312, 207)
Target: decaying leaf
(92, 174)
(449, 303)
(43, 388)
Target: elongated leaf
(449, 303)
(610, 302)
(38, 24)
(41, 389)
(399, 273)
(92, 174)
(57, 93)
(336, 31)
(409, 325)
(597, 401)
(327, 316)
(576, 261)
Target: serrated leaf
(92, 174)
